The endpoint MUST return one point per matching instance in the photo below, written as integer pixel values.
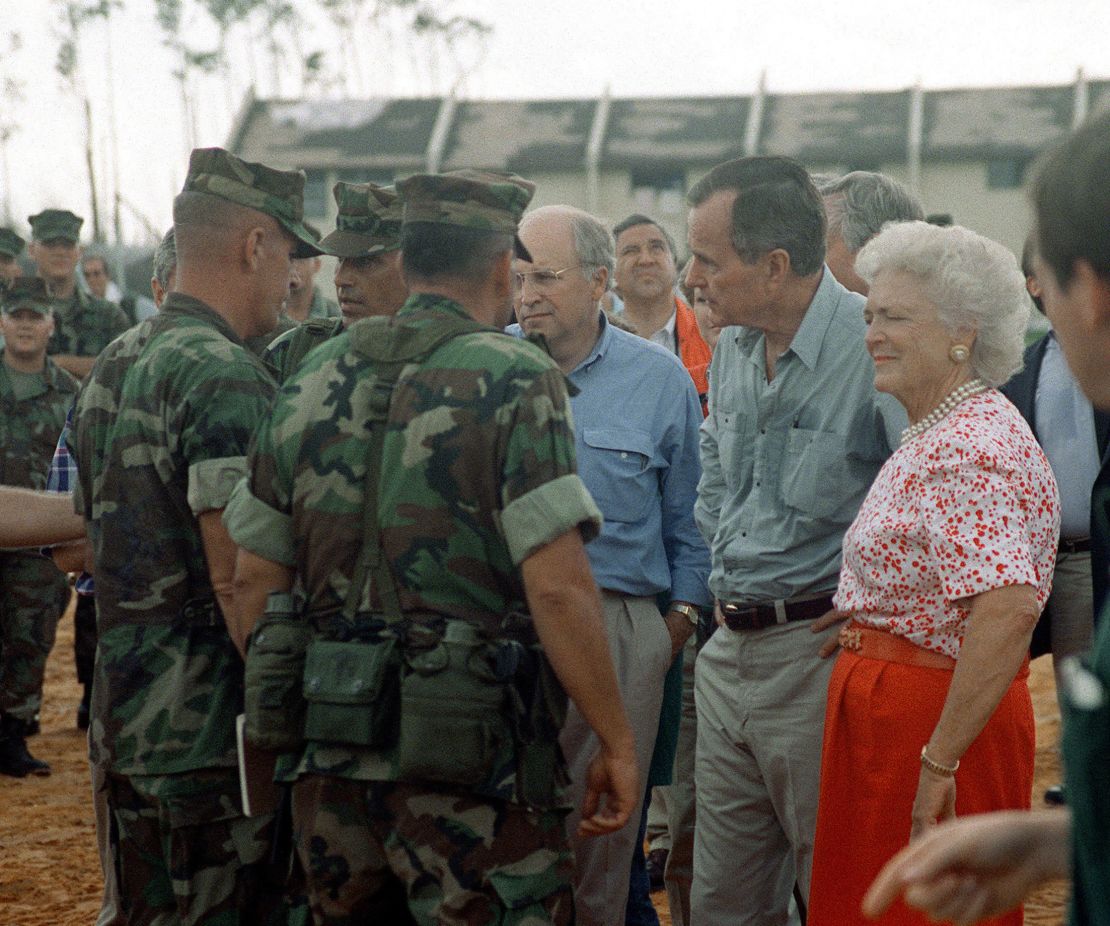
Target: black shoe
(656, 864)
(1055, 796)
(15, 760)
(32, 727)
(83, 709)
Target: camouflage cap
(277, 193)
(51, 224)
(11, 245)
(26, 293)
(485, 199)
(369, 221)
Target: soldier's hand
(613, 791)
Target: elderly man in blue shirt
(636, 418)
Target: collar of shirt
(664, 337)
(601, 346)
(810, 336)
(181, 304)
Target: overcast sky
(550, 49)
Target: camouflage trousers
(185, 854)
(33, 594)
(391, 852)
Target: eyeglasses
(542, 279)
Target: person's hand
(679, 628)
(935, 802)
(831, 643)
(976, 867)
(612, 775)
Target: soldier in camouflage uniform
(160, 436)
(34, 398)
(83, 324)
(305, 299)
(479, 511)
(11, 246)
(366, 242)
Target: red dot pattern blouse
(968, 506)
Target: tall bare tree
(74, 16)
(11, 95)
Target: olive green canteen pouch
(273, 704)
(454, 721)
(351, 692)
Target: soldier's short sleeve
(542, 496)
(218, 419)
(258, 515)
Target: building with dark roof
(965, 151)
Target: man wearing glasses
(636, 417)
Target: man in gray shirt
(794, 437)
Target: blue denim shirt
(636, 419)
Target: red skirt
(879, 715)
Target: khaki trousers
(641, 649)
(761, 709)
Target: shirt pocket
(620, 472)
(817, 479)
(735, 442)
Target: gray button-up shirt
(786, 464)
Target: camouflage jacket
(160, 436)
(29, 427)
(289, 348)
(85, 325)
(479, 473)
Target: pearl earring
(958, 353)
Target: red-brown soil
(49, 872)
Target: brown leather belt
(749, 615)
(878, 644)
(1083, 545)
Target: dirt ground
(49, 872)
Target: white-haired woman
(946, 569)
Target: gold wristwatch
(689, 611)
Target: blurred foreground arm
(976, 867)
(566, 611)
(30, 519)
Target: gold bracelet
(936, 768)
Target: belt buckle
(850, 638)
(734, 614)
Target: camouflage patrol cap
(11, 245)
(277, 193)
(51, 224)
(26, 293)
(369, 221)
(482, 199)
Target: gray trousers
(641, 649)
(761, 715)
(1071, 608)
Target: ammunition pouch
(455, 712)
(541, 710)
(274, 669)
(351, 689)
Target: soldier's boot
(15, 760)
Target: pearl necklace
(954, 398)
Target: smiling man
(646, 273)
(34, 397)
(794, 437)
(368, 281)
(636, 421)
